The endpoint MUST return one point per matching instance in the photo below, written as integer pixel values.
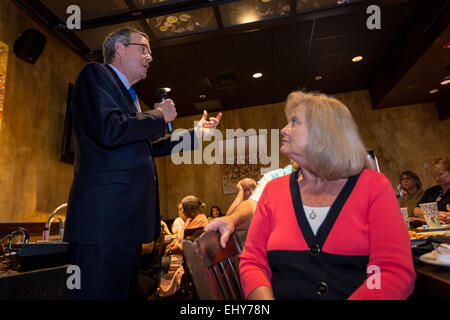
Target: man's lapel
(123, 89)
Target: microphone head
(161, 94)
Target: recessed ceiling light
(445, 82)
(257, 75)
(318, 78)
(357, 58)
(167, 89)
(433, 91)
(202, 96)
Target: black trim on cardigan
(322, 234)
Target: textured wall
(403, 138)
(205, 180)
(33, 181)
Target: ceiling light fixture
(433, 91)
(357, 58)
(202, 96)
(445, 82)
(318, 78)
(167, 89)
(257, 75)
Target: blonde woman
(318, 232)
(440, 192)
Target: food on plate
(414, 235)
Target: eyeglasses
(437, 174)
(144, 48)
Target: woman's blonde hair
(335, 149)
(191, 206)
(442, 163)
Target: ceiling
(206, 51)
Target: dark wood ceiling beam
(293, 8)
(218, 17)
(275, 23)
(432, 19)
(143, 23)
(151, 12)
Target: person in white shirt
(241, 216)
(179, 222)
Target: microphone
(161, 95)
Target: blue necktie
(133, 94)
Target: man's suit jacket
(114, 195)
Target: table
(42, 284)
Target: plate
(430, 258)
(441, 228)
(418, 242)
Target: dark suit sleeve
(100, 106)
(165, 145)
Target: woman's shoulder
(279, 181)
(372, 178)
(372, 174)
(437, 189)
(201, 218)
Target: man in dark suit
(113, 204)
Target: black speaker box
(29, 45)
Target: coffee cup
(431, 214)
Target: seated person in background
(165, 228)
(147, 248)
(245, 188)
(150, 266)
(178, 223)
(242, 215)
(171, 281)
(195, 218)
(412, 191)
(319, 231)
(215, 212)
(439, 193)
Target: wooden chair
(192, 234)
(212, 268)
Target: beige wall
(403, 138)
(33, 181)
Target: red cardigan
(369, 224)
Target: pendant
(313, 215)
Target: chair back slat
(198, 272)
(235, 282)
(218, 272)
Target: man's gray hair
(121, 35)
